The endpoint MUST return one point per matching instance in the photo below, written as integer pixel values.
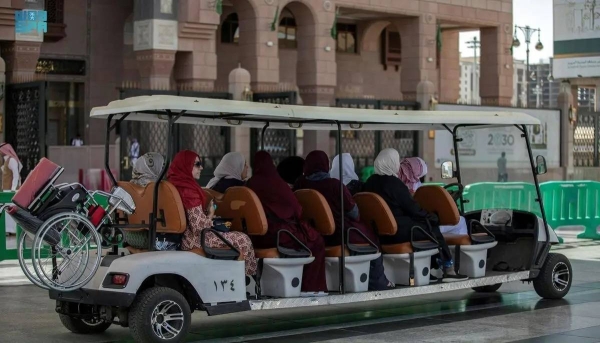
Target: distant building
(586, 98)
(469, 82)
(544, 92)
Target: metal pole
(342, 212)
(528, 74)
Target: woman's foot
(451, 276)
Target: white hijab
(348, 173)
(230, 167)
(387, 162)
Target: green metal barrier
(366, 173)
(509, 195)
(573, 203)
(6, 254)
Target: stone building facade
(382, 49)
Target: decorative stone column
(21, 56)
(418, 53)
(196, 63)
(449, 88)
(496, 77)
(155, 41)
(567, 103)
(239, 82)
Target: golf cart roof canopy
(217, 112)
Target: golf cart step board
(466, 239)
(491, 279)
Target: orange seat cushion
(401, 248)
(169, 205)
(435, 199)
(266, 253)
(452, 239)
(316, 210)
(335, 251)
(242, 206)
(376, 214)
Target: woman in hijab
(183, 173)
(349, 176)
(11, 179)
(290, 169)
(406, 210)
(231, 172)
(412, 170)
(284, 212)
(145, 170)
(11, 168)
(316, 176)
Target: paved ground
(515, 313)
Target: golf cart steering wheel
(455, 194)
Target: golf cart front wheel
(555, 278)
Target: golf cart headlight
(122, 200)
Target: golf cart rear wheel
(159, 314)
(84, 326)
(487, 289)
(554, 280)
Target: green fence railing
(573, 203)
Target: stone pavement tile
(590, 332)
(450, 332)
(557, 338)
(540, 322)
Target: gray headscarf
(147, 168)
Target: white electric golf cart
(95, 284)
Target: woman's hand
(211, 210)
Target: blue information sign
(29, 21)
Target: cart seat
(280, 277)
(436, 199)
(39, 181)
(243, 208)
(453, 239)
(171, 213)
(316, 210)
(402, 264)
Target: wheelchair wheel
(22, 243)
(73, 260)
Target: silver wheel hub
(560, 276)
(167, 320)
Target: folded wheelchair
(64, 228)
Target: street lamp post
(474, 44)
(528, 33)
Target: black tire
(83, 327)
(555, 278)
(487, 289)
(141, 315)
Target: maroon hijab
(180, 175)
(316, 161)
(275, 195)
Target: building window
(56, 26)
(287, 30)
(346, 38)
(230, 30)
(391, 48)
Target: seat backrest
(212, 195)
(41, 177)
(375, 213)
(241, 205)
(436, 199)
(170, 206)
(316, 210)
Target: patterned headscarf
(411, 170)
(147, 168)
